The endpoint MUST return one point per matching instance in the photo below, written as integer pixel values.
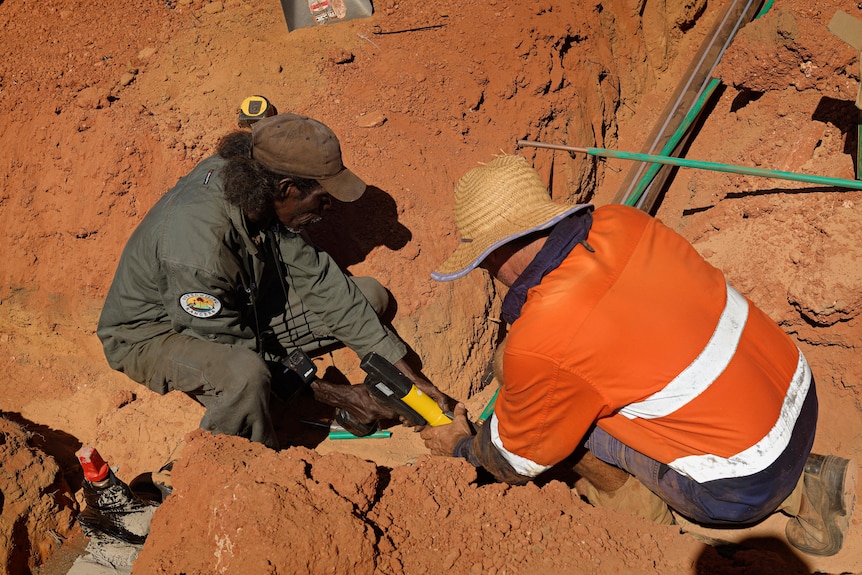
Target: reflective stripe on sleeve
(520, 464)
(704, 370)
(759, 456)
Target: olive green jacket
(193, 267)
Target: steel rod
(642, 183)
(702, 165)
(643, 194)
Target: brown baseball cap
(294, 145)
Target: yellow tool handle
(426, 407)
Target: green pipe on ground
(703, 165)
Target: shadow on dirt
(845, 116)
(350, 231)
(762, 555)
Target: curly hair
(247, 184)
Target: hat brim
(344, 186)
(468, 255)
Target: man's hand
(444, 401)
(441, 440)
(354, 398)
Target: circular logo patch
(200, 304)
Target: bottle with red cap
(112, 508)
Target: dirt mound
(109, 103)
(37, 507)
(239, 507)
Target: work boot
(828, 498)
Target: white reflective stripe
(704, 370)
(762, 454)
(520, 464)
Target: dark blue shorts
(736, 501)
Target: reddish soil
(109, 103)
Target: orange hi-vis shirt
(646, 339)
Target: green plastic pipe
(766, 6)
(702, 165)
(489, 409)
(643, 183)
(649, 175)
(339, 434)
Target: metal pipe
(702, 165)
(643, 182)
(654, 176)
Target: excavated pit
(103, 119)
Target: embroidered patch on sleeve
(199, 304)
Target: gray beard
(314, 221)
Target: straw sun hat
(495, 204)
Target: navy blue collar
(565, 235)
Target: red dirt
(109, 103)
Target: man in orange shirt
(630, 351)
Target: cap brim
(467, 256)
(345, 186)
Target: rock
(127, 78)
(213, 8)
(371, 120)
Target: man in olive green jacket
(218, 280)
